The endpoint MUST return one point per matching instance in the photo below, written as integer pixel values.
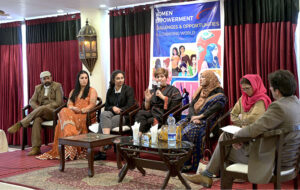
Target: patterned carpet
(106, 177)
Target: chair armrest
(272, 133)
(27, 107)
(165, 115)
(181, 109)
(55, 112)
(236, 140)
(88, 114)
(132, 114)
(131, 108)
(123, 113)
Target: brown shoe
(34, 151)
(199, 179)
(15, 128)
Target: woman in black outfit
(119, 97)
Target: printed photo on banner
(183, 59)
(187, 38)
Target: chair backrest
(125, 126)
(94, 114)
(172, 110)
(288, 151)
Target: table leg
(141, 170)
(123, 172)
(119, 159)
(166, 180)
(61, 149)
(90, 162)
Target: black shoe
(187, 168)
(100, 156)
(107, 147)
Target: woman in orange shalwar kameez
(72, 120)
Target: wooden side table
(173, 157)
(89, 141)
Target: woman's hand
(116, 110)
(76, 109)
(197, 117)
(84, 110)
(197, 121)
(148, 95)
(160, 95)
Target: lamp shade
(87, 39)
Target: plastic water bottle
(171, 130)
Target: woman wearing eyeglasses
(253, 102)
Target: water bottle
(171, 130)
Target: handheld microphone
(158, 85)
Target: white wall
(99, 19)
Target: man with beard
(46, 98)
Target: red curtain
(11, 91)
(259, 39)
(52, 45)
(130, 46)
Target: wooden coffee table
(172, 157)
(89, 141)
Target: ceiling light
(102, 6)
(9, 17)
(60, 11)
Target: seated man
(281, 114)
(46, 98)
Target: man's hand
(116, 110)
(237, 146)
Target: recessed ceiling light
(102, 6)
(60, 11)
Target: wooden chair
(287, 158)
(45, 125)
(124, 127)
(211, 132)
(93, 116)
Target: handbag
(163, 135)
(204, 161)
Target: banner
(187, 39)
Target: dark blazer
(123, 100)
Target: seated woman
(208, 99)
(253, 102)
(250, 107)
(72, 120)
(157, 102)
(119, 97)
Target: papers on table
(231, 129)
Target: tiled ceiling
(20, 9)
